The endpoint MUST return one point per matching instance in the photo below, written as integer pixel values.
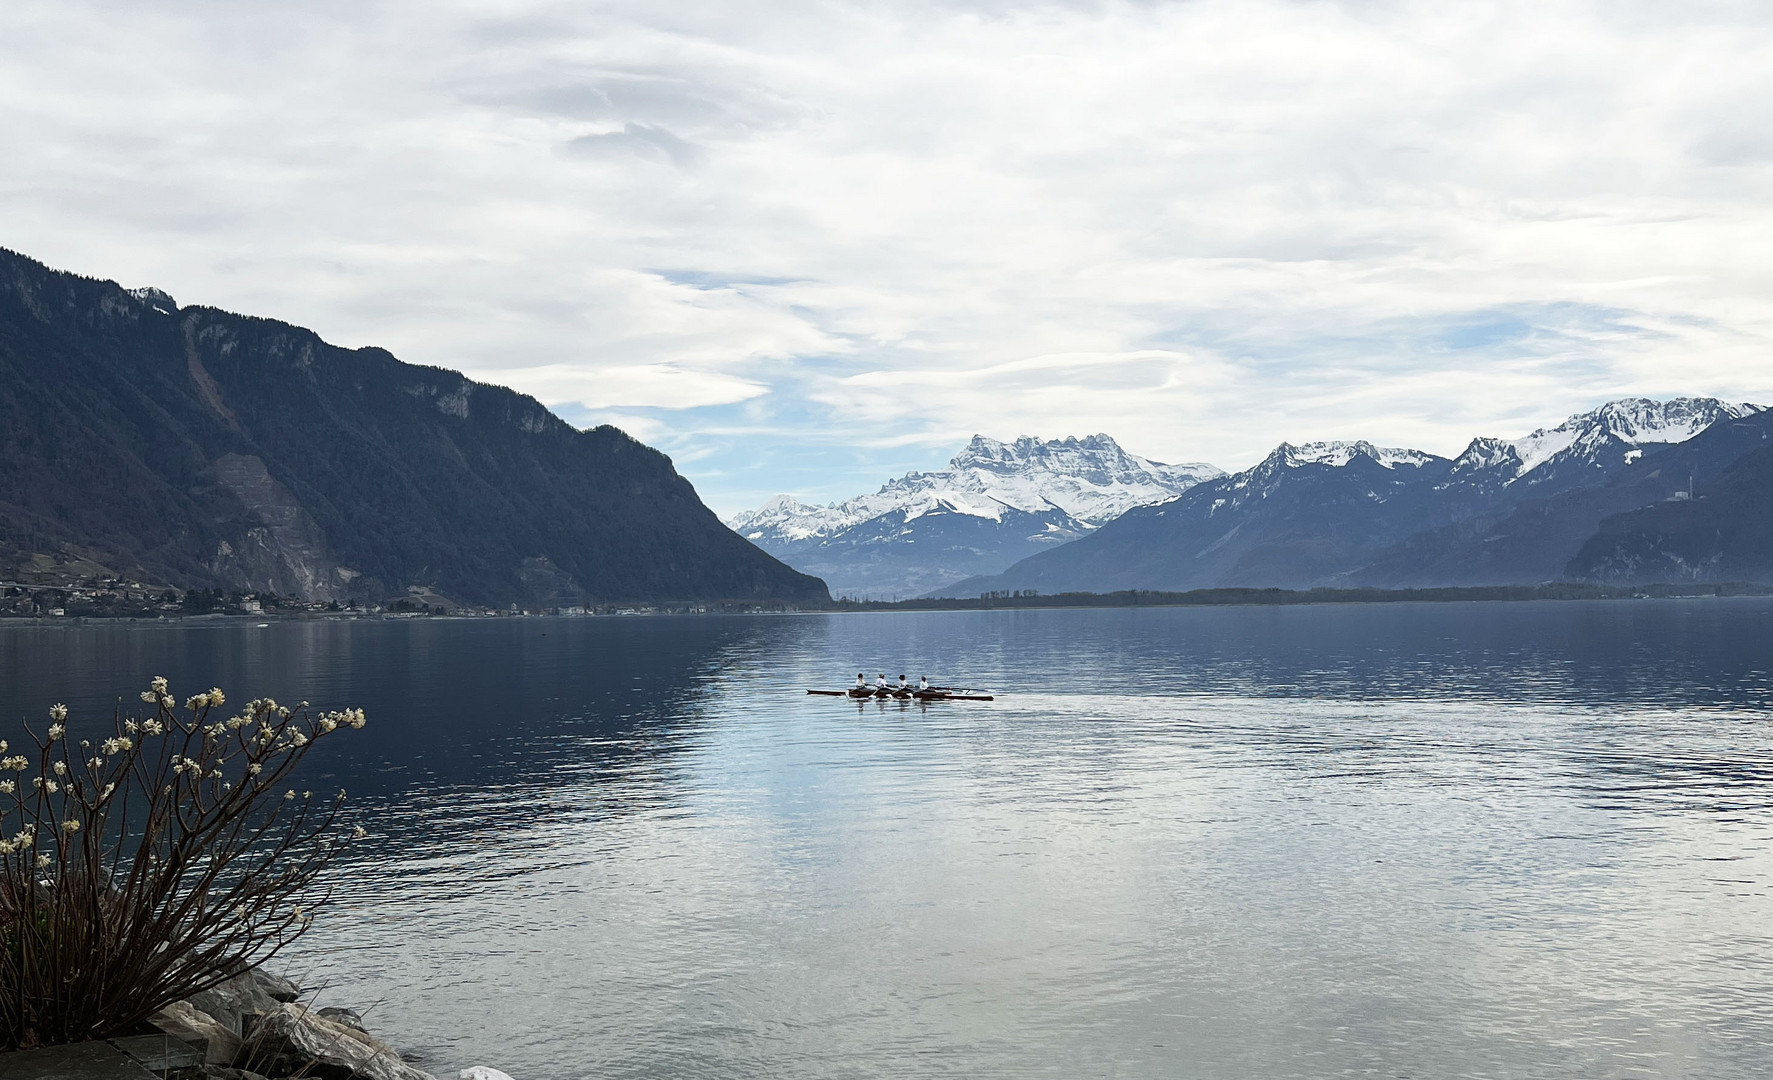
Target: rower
(861, 681)
(880, 683)
(923, 682)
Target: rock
(160, 1054)
(347, 1017)
(482, 1072)
(72, 1061)
(185, 1022)
(294, 1041)
(276, 987)
(233, 1001)
(218, 1072)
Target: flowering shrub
(155, 862)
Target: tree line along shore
(43, 604)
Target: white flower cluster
(117, 745)
(352, 718)
(18, 763)
(156, 693)
(214, 698)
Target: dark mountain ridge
(1536, 539)
(1501, 513)
(1721, 530)
(198, 448)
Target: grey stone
(276, 986)
(347, 1017)
(294, 1041)
(219, 1072)
(184, 1021)
(76, 1061)
(233, 1002)
(161, 1054)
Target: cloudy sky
(805, 246)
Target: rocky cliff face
(199, 448)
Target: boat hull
(908, 695)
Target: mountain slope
(1533, 539)
(200, 448)
(995, 503)
(1722, 532)
(1351, 513)
(1300, 515)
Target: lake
(1422, 840)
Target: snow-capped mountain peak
(1339, 453)
(1092, 479)
(786, 517)
(996, 502)
(1631, 421)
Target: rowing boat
(934, 693)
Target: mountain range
(201, 449)
(995, 504)
(1590, 499)
(197, 448)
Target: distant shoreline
(1293, 597)
(1130, 598)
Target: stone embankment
(252, 1027)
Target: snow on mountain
(1093, 480)
(789, 518)
(1607, 431)
(1340, 453)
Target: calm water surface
(1463, 840)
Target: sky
(804, 247)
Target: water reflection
(1499, 840)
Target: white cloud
(603, 386)
(1202, 227)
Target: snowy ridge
(1091, 479)
(1590, 442)
(789, 518)
(1339, 453)
(1610, 432)
(1629, 421)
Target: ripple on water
(1435, 840)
